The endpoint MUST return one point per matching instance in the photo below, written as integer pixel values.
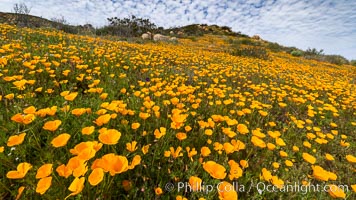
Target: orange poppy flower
(118, 165)
(205, 151)
(242, 128)
(145, 148)
(44, 171)
(64, 171)
(52, 125)
(78, 111)
(96, 176)
(181, 136)
(196, 183)
(103, 119)
(159, 133)
(215, 170)
(158, 191)
(351, 158)
(135, 161)
(208, 132)
(135, 126)
(144, 116)
(16, 139)
(320, 173)
(226, 191)
(17, 118)
(258, 142)
(21, 171)
(30, 110)
(19, 192)
(336, 192)
(131, 147)
(309, 158)
(27, 119)
(88, 130)
(109, 136)
(113, 163)
(43, 185)
(76, 186)
(61, 140)
(71, 96)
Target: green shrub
(255, 52)
(249, 42)
(296, 53)
(335, 59)
(353, 62)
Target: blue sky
(320, 24)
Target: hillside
(133, 27)
(214, 116)
(32, 21)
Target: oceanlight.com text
(260, 187)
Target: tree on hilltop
(21, 11)
(129, 27)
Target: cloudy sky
(322, 24)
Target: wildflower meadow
(84, 117)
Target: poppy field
(86, 117)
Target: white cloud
(323, 24)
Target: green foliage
(201, 29)
(247, 41)
(296, 53)
(353, 62)
(335, 59)
(275, 47)
(127, 27)
(313, 52)
(255, 52)
(248, 48)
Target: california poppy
(52, 125)
(61, 140)
(96, 176)
(103, 119)
(205, 151)
(19, 192)
(242, 128)
(21, 171)
(64, 171)
(71, 96)
(135, 125)
(135, 161)
(16, 139)
(226, 191)
(88, 130)
(43, 185)
(131, 147)
(195, 183)
(109, 136)
(336, 192)
(76, 186)
(309, 158)
(159, 133)
(215, 170)
(44, 171)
